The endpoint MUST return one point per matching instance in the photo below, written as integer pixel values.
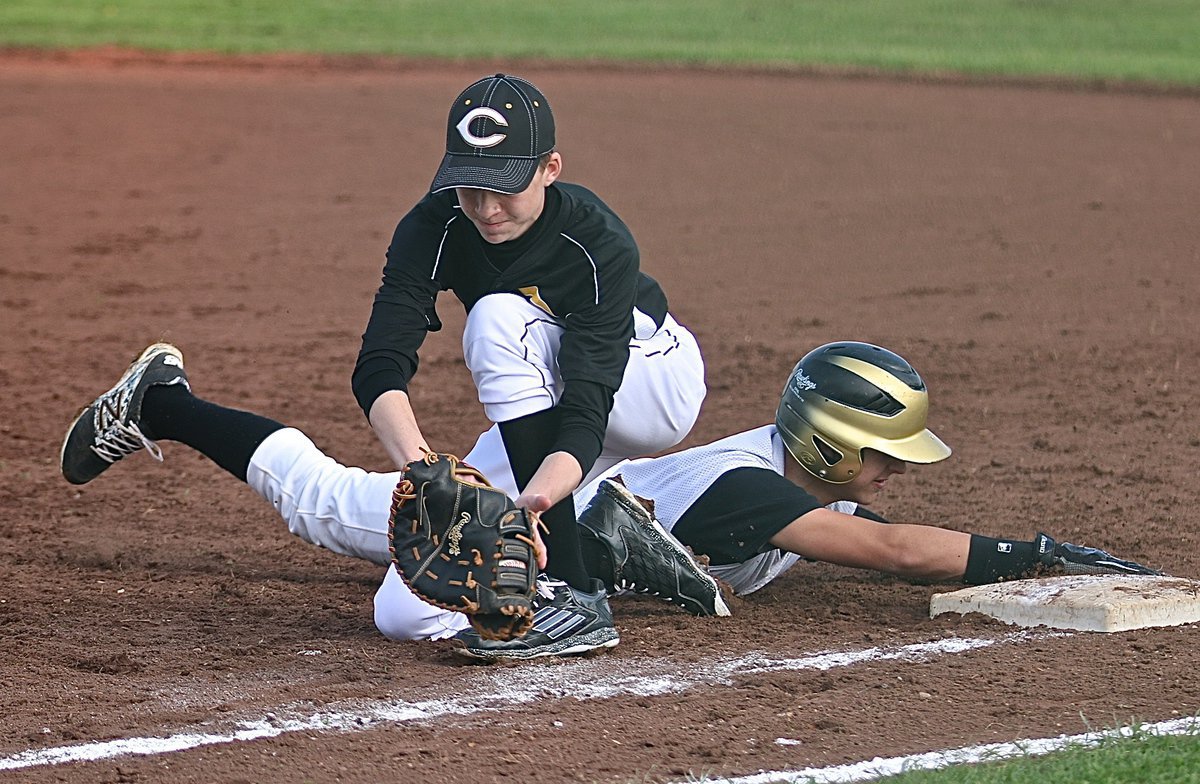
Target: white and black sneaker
(110, 428)
(566, 622)
(641, 556)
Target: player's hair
(844, 397)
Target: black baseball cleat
(566, 622)
(110, 428)
(1078, 559)
(643, 557)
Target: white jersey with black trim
(675, 481)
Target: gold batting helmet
(845, 397)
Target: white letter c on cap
(481, 141)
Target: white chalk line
(968, 755)
(583, 679)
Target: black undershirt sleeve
(527, 441)
(403, 310)
(584, 410)
(738, 514)
(864, 512)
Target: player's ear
(552, 168)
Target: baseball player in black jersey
(852, 415)
(572, 350)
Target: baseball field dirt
(1033, 250)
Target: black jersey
(578, 262)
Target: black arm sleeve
(527, 441)
(584, 409)
(594, 351)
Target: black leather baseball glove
(462, 544)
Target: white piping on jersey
(445, 233)
(595, 274)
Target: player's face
(501, 217)
(877, 468)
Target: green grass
(1140, 40)
(1144, 758)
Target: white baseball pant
(511, 349)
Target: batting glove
(1077, 559)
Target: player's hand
(1079, 559)
(536, 504)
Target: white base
(1084, 603)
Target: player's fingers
(539, 545)
(536, 503)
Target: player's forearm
(556, 478)
(396, 427)
(925, 552)
(913, 551)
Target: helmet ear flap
(828, 453)
(824, 458)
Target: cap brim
(502, 175)
(924, 447)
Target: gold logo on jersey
(532, 294)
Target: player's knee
(398, 613)
(498, 317)
(394, 625)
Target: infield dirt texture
(1034, 252)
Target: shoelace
(115, 439)
(546, 588)
(630, 585)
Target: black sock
(564, 557)
(597, 558)
(991, 560)
(226, 436)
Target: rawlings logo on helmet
(867, 398)
(801, 383)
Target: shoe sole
(622, 494)
(595, 641)
(153, 348)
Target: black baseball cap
(498, 129)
